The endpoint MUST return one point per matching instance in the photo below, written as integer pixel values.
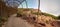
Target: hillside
(42, 20)
(29, 17)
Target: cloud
(51, 6)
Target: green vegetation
(27, 9)
(36, 13)
(3, 20)
(46, 14)
(21, 10)
(58, 17)
(0, 21)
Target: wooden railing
(6, 11)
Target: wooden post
(38, 9)
(38, 5)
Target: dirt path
(14, 21)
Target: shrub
(46, 14)
(36, 13)
(59, 17)
(0, 21)
(3, 20)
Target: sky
(48, 6)
(31, 4)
